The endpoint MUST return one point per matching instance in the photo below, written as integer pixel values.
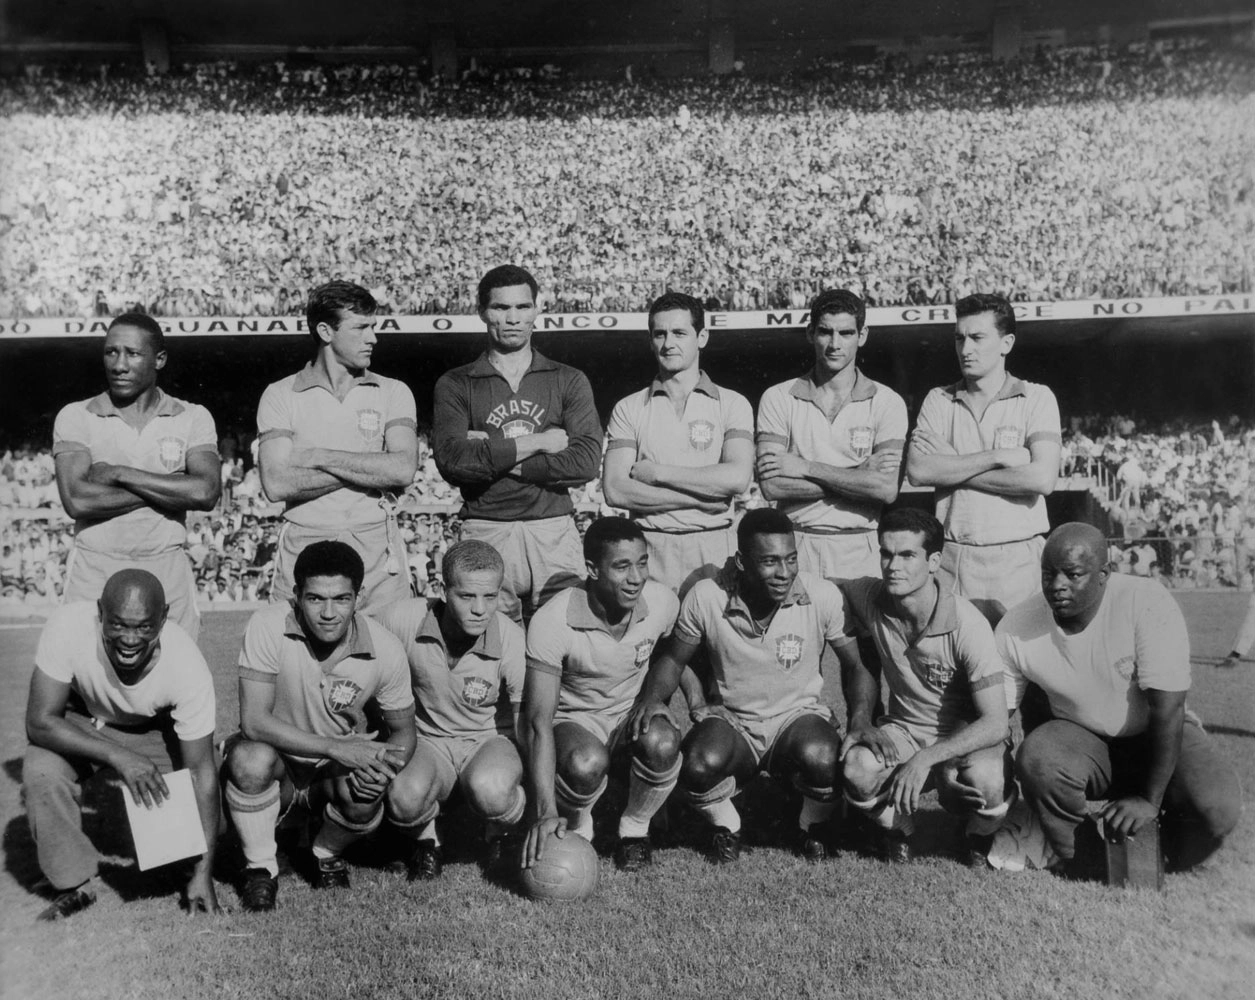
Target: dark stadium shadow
(13, 768)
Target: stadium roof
(496, 24)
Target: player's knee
(491, 793)
(584, 767)
(409, 798)
(251, 766)
(705, 765)
(819, 763)
(987, 772)
(862, 773)
(659, 746)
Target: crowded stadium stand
(1074, 174)
(1117, 169)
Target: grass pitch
(768, 927)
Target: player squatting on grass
(329, 696)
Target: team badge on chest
(517, 428)
(701, 434)
(789, 650)
(342, 698)
(369, 424)
(1007, 436)
(475, 691)
(861, 441)
(171, 452)
(937, 674)
(643, 649)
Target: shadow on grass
(105, 823)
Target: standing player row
(515, 431)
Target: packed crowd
(1182, 492)
(1075, 174)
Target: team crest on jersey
(939, 674)
(369, 424)
(701, 434)
(475, 691)
(1126, 667)
(861, 439)
(171, 452)
(643, 649)
(1007, 436)
(342, 701)
(517, 428)
(789, 650)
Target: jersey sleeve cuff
(542, 667)
(249, 674)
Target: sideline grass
(769, 927)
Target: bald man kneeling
(1112, 656)
(115, 686)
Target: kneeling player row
(601, 662)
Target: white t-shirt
(1097, 678)
(70, 651)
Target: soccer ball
(565, 873)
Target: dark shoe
(895, 847)
(976, 848)
(725, 846)
(633, 853)
(812, 844)
(427, 861)
(333, 873)
(257, 895)
(503, 853)
(67, 903)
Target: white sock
(814, 812)
(337, 833)
(721, 813)
(647, 792)
(255, 817)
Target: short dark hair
(607, 531)
(328, 558)
(761, 521)
(470, 555)
(505, 276)
(918, 522)
(327, 301)
(142, 321)
(988, 302)
(678, 300)
(832, 301)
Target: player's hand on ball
(1126, 817)
(532, 847)
(142, 777)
